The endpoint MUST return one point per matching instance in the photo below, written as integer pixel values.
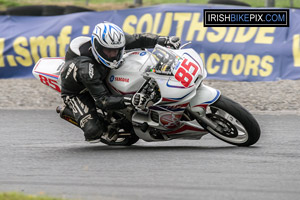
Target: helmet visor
(107, 54)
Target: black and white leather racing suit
(83, 86)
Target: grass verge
(21, 196)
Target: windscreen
(163, 60)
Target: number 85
(183, 74)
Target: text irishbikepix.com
(246, 17)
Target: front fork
(204, 97)
(203, 120)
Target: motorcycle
(170, 100)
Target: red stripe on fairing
(52, 75)
(115, 89)
(186, 128)
(169, 100)
(184, 105)
(201, 105)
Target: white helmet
(109, 36)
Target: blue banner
(229, 53)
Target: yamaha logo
(122, 79)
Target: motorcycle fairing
(185, 129)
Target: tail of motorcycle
(47, 71)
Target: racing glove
(172, 41)
(139, 100)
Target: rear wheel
(237, 125)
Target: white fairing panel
(48, 66)
(173, 91)
(128, 78)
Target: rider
(87, 63)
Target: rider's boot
(67, 114)
(94, 131)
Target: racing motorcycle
(170, 100)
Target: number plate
(187, 72)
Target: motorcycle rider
(87, 63)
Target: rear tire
(239, 127)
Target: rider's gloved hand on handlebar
(139, 99)
(172, 41)
(134, 100)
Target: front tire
(239, 127)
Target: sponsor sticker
(122, 79)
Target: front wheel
(237, 125)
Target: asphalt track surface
(41, 154)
